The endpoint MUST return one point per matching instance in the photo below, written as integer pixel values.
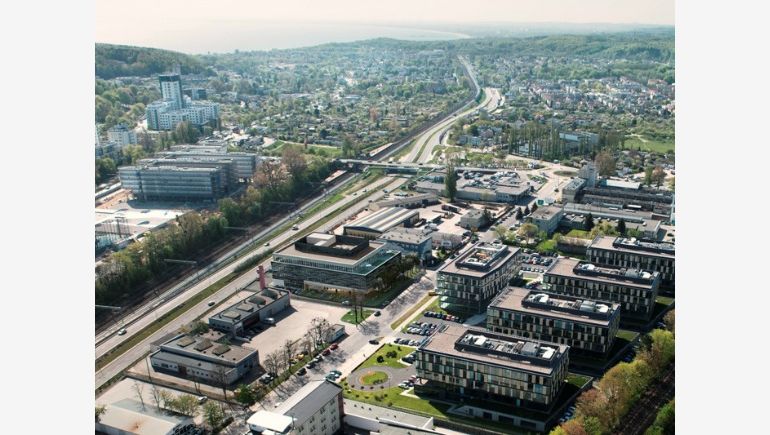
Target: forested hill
(122, 60)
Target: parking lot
(423, 327)
(535, 262)
(292, 324)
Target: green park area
(351, 317)
(649, 145)
(388, 355)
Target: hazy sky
(154, 22)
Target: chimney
(261, 272)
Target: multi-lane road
(193, 285)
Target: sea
(227, 37)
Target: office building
(546, 218)
(468, 283)
(131, 417)
(474, 219)
(582, 324)
(173, 183)
(500, 186)
(375, 224)
(240, 316)
(446, 240)
(635, 254)
(315, 409)
(204, 357)
(410, 241)
(329, 262)
(121, 135)
(634, 290)
(476, 364)
(409, 201)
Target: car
(212, 303)
(331, 377)
(295, 228)
(301, 372)
(334, 346)
(377, 314)
(311, 364)
(202, 399)
(122, 331)
(372, 341)
(403, 385)
(345, 302)
(326, 352)
(267, 243)
(413, 378)
(336, 372)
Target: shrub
(380, 359)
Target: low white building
(129, 417)
(316, 409)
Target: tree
(244, 395)
(589, 225)
(272, 362)
(99, 410)
(185, 404)
(534, 207)
(528, 231)
(526, 210)
(289, 347)
(519, 214)
(270, 175)
(605, 164)
(661, 351)
(658, 176)
(668, 319)
(185, 132)
(138, 388)
(672, 183)
(622, 226)
(213, 414)
(501, 231)
(294, 161)
(450, 181)
(648, 175)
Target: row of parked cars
(443, 316)
(270, 376)
(423, 328)
(410, 357)
(409, 383)
(406, 341)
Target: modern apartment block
(121, 135)
(468, 283)
(175, 107)
(634, 289)
(315, 409)
(473, 363)
(204, 357)
(582, 324)
(331, 262)
(635, 254)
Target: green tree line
(122, 60)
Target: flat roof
(129, 415)
(205, 345)
(568, 268)
(545, 212)
(383, 219)
(363, 262)
(632, 245)
(270, 421)
(249, 305)
(352, 260)
(556, 306)
(406, 235)
(497, 349)
(481, 260)
(308, 400)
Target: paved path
(395, 376)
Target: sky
(168, 22)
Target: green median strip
(409, 313)
(162, 321)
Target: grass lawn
(400, 350)
(649, 145)
(350, 316)
(627, 335)
(577, 380)
(546, 246)
(581, 234)
(664, 300)
(410, 312)
(374, 378)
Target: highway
(174, 297)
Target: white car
(122, 331)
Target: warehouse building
(331, 262)
(472, 363)
(204, 358)
(263, 304)
(410, 241)
(634, 289)
(582, 324)
(501, 186)
(131, 417)
(409, 201)
(375, 224)
(468, 283)
(633, 253)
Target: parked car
(301, 372)
(212, 303)
(374, 341)
(202, 399)
(122, 331)
(334, 346)
(377, 314)
(326, 352)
